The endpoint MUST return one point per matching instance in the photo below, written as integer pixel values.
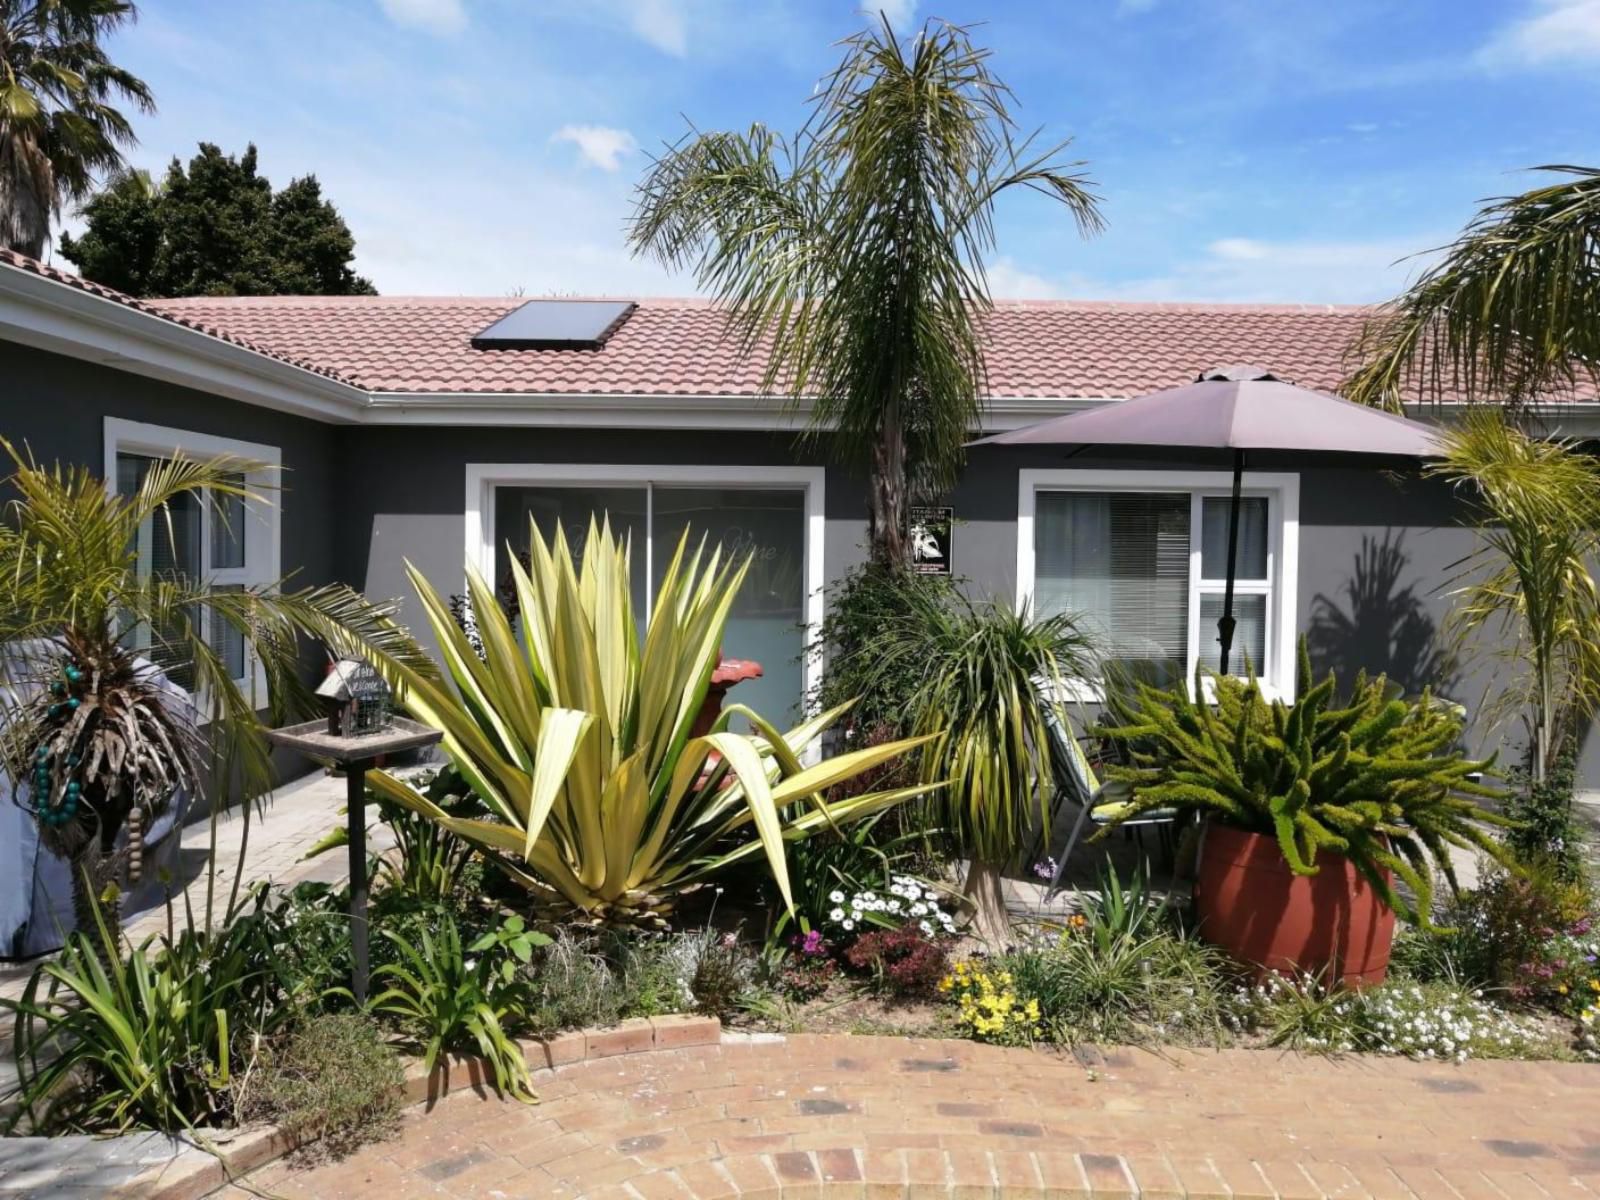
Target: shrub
(1504, 926)
(860, 860)
(332, 1080)
(1545, 831)
(1150, 985)
(570, 985)
(903, 962)
(1378, 780)
(988, 1006)
(723, 975)
(464, 999)
(1401, 1017)
(909, 902)
(809, 970)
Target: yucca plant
(985, 678)
(578, 738)
(1378, 780)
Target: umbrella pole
(1226, 624)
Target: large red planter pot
(1264, 915)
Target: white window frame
(482, 537)
(1282, 492)
(263, 531)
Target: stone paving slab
(826, 1117)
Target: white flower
(836, 915)
(836, 897)
(925, 927)
(849, 924)
(919, 909)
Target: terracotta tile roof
(678, 347)
(21, 262)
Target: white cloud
(1242, 270)
(1008, 281)
(1553, 31)
(662, 24)
(899, 13)
(433, 16)
(599, 145)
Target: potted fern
(1312, 812)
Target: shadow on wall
(1385, 628)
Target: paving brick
(631, 1037)
(681, 1031)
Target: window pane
(766, 622)
(227, 529)
(227, 641)
(571, 508)
(169, 550)
(1121, 560)
(1249, 634)
(1250, 561)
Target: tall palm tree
(91, 737)
(854, 251)
(59, 130)
(1511, 312)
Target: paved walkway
(865, 1117)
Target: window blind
(1121, 561)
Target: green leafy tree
(1511, 311)
(853, 253)
(59, 127)
(215, 228)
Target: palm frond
(1508, 315)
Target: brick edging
(200, 1171)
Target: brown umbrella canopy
(1238, 409)
(1234, 408)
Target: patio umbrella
(1240, 409)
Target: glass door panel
(767, 622)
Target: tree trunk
(92, 870)
(888, 490)
(984, 889)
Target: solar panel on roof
(556, 325)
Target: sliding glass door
(769, 524)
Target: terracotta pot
(1264, 915)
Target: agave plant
(580, 741)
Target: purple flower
(1045, 868)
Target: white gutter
(636, 411)
(43, 313)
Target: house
(430, 430)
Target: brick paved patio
(826, 1117)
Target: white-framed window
(774, 513)
(223, 539)
(1141, 557)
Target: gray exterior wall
(56, 406)
(1376, 549)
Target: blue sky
(1255, 150)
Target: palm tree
(1511, 311)
(853, 252)
(91, 737)
(1528, 582)
(58, 127)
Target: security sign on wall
(930, 540)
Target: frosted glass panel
(1120, 560)
(1250, 561)
(169, 550)
(1249, 634)
(571, 508)
(767, 620)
